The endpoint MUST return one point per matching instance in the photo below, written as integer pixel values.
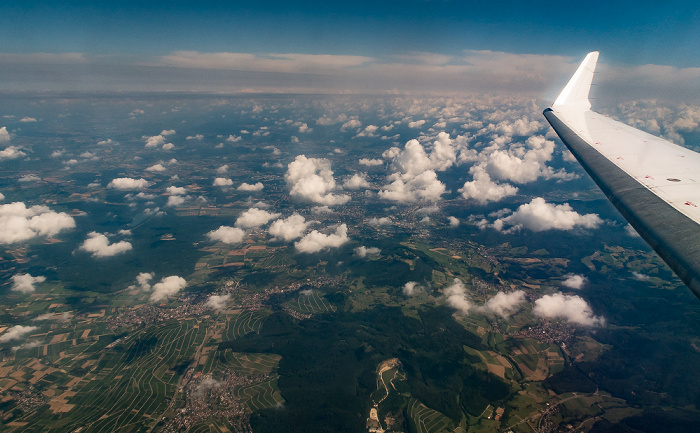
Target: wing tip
(575, 94)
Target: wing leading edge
(654, 183)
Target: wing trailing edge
(654, 184)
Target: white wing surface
(654, 183)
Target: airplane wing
(654, 183)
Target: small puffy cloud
(415, 178)
(411, 288)
(19, 223)
(369, 131)
(155, 141)
(574, 281)
(316, 241)
(457, 298)
(631, 231)
(371, 162)
(2, 196)
(425, 186)
(27, 119)
(156, 168)
(222, 181)
(363, 251)
(167, 287)
(223, 169)
(351, 124)
(168, 146)
(128, 184)
(144, 280)
(483, 189)
(289, 228)
(453, 221)
(99, 246)
(504, 304)
(251, 188)
(11, 152)
(640, 277)
(176, 190)
(24, 283)
(234, 138)
(29, 178)
(305, 128)
(357, 181)
(255, 217)
(227, 235)
(539, 215)
(4, 136)
(376, 222)
(167, 132)
(572, 308)
(176, 200)
(217, 302)
(416, 124)
(16, 333)
(311, 179)
(325, 121)
(197, 137)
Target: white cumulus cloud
(222, 181)
(316, 241)
(572, 308)
(167, 287)
(128, 184)
(25, 283)
(357, 181)
(311, 179)
(255, 217)
(411, 288)
(363, 251)
(574, 281)
(217, 302)
(504, 304)
(4, 135)
(483, 189)
(144, 280)
(371, 162)
(99, 246)
(457, 297)
(227, 235)
(11, 152)
(288, 229)
(17, 332)
(156, 168)
(248, 187)
(539, 215)
(19, 223)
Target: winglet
(575, 94)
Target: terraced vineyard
(245, 363)
(427, 420)
(311, 303)
(260, 395)
(244, 323)
(129, 384)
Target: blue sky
(629, 33)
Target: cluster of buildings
(206, 398)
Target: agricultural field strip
(173, 335)
(242, 324)
(438, 423)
